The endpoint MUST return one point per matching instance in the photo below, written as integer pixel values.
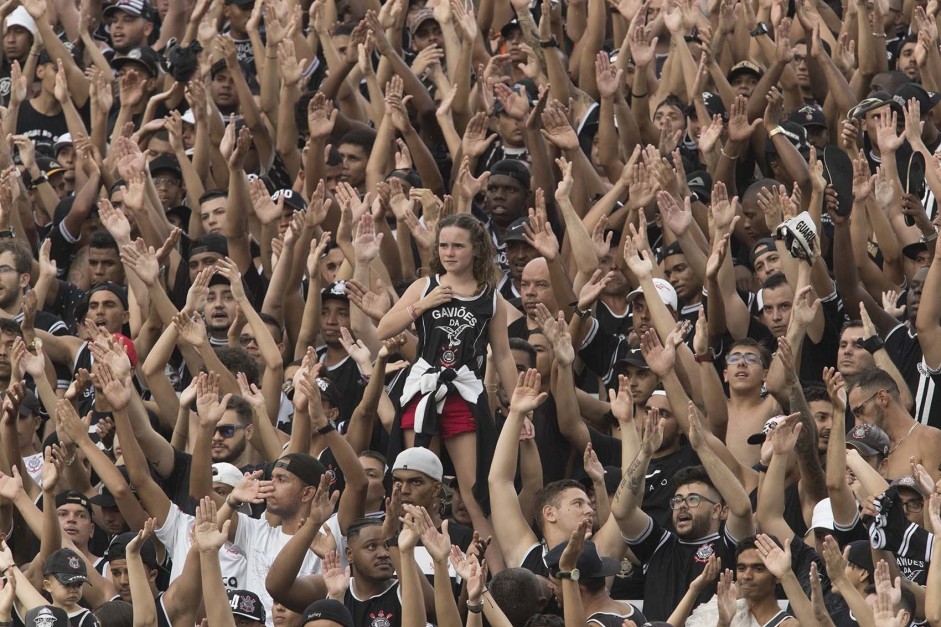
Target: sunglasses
(227, 431)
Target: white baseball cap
(419, 459)
(20, 17)
(667, 293)
(224, 472)
(822, 517)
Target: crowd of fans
(595, 313)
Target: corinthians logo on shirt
(460, 319)
(381, 619)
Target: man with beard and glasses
(705, 498)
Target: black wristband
(759, 467)
(872, 343)
(550, 43)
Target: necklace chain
(899, 443)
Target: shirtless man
(874, 398)
(746, 367)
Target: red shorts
(456, 417)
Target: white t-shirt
(175, 536)
(261, 543)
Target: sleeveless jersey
(455, 334)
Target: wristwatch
(705, 358)
(777, 130)
(391, 542)
(574, 575)
(549, 43)
(761, 29)
(330, 426)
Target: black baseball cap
(860, 555)
(137, 8)
(744, 67)
(926, 99)
(335, 291)
(30, 404)
(307, 468)
(809, 116)
(246, 604)
(66, 566)
(328, 609)
(292, 199)
(513, 168)
(669, 250)
(118, 290)
(104, 498)
(700, 183)
(328, 391)
(633, 357)
(590, 565)
(516, 232)
(117, 550)
(144, 56)
(165, 163)
(210, 243)
(914, 249)
(762, 246)
(72, 497)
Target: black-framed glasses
(914, 506)
(749, 358)
(858, 410)
(227, 431)
(691, 500)
(245, 340)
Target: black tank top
(455, 334)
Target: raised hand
(191, 329)
(115, 389)
(676, 218)
(557, 129)
(526, 396)
(643, 46)
(251, 489)
(661, 358)
(739, 128)
(725, 596)
(337, 579)
(208, 405)
(207, 536)
(476, 140)
(653, 432)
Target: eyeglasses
(749, 358)
(858, 410)
(691, 500)
(245, 340)
(914, 506)
(227, 431)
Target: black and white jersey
(455, 334)
(671, 564)
(382, 610)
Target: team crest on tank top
(455, 334)
(381, 619)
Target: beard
(234, 452)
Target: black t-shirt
(349, 381)
(554, 450)
(903, 348)
(42, 129)
(671, 564)
(67, 302)
(383, 609)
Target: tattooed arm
(625, 506)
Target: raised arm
(512, 530)
(625, 506)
